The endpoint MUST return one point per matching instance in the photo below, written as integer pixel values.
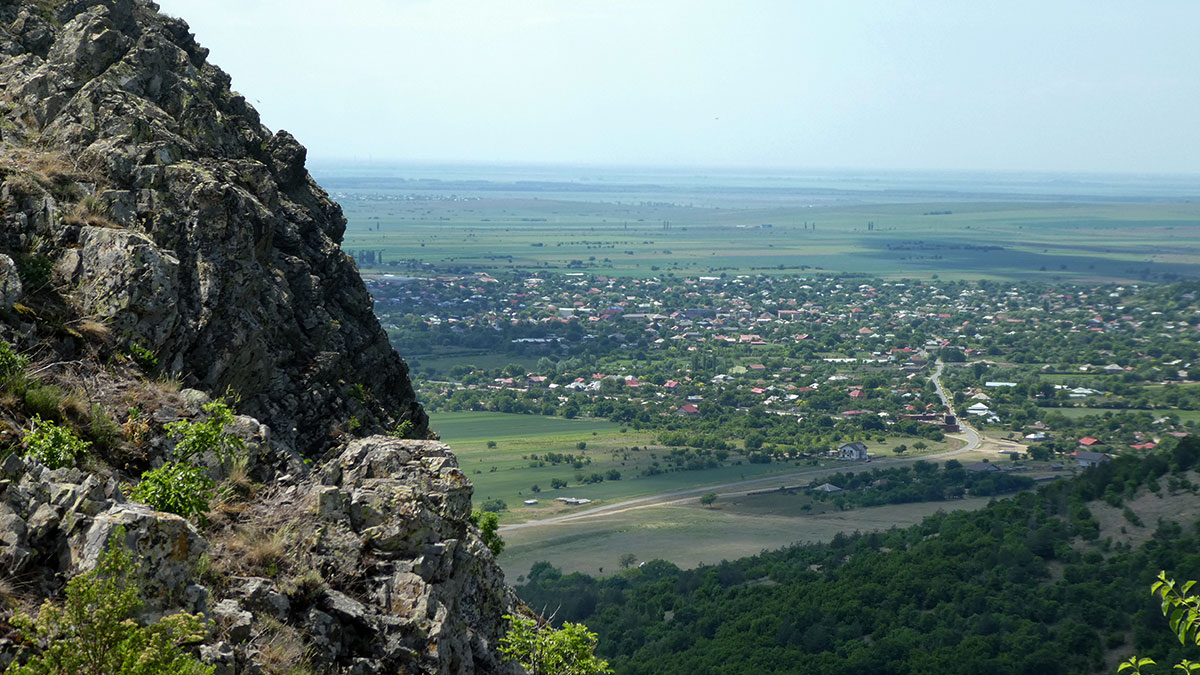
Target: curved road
(973, 438)
(740, 488)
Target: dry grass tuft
(76, 405)
(281, 649)
(8, 593)
(93, 331)
(88, 211)
(259, 549)
(34, 171)
(306, 587)
(238, 485)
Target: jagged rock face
(416, 588)
(10, 282)
(165, 217)
(384, 573)
(214, 247)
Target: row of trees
(1023, 586)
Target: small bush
(176, 487)
(52, 445)
(403, 430)
(34, 271)
(145, 358)
(44, 400)
(488, 524)
(94, 632)
(103, 430)
(194, 439)
(542, 649)
(495, 505)
(12, 364)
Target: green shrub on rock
(94, 632)
(53, 445)
(542, 650)
(176, 487)
(194, 439)
(488, 524)
(12, 364)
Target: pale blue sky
(1073, 85)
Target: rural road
(973, 439)
(741, 488)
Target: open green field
(1075, 413)
(442, 362)
(998, 240)
(691, 535)
(504, 471)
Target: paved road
(740, 488)
(973, 438)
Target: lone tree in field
(627, 560)
(708, 499)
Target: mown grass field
(504, 471)
(692, 535)
(999, 240)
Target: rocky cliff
(182, 224)
(160, 247)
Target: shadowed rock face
(150, 225)
(209, 244)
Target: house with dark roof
(856, 450)
(1087, 458)
(981, 467)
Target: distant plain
(1122, 230)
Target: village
(788, 367)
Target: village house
(1087, 458)
(855, 451)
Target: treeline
(921, 482)
(1023, 586)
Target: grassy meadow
(690, 535)
(505, 472)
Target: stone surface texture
(205, 239)
(160, 248)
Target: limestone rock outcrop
(160, 248)
(181, 223)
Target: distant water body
(746, 187)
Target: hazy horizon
(1074, 87)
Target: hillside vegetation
(1032, 584)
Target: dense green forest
(1029, 584)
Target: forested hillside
(1039, 583)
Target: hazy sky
(1090, 85)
